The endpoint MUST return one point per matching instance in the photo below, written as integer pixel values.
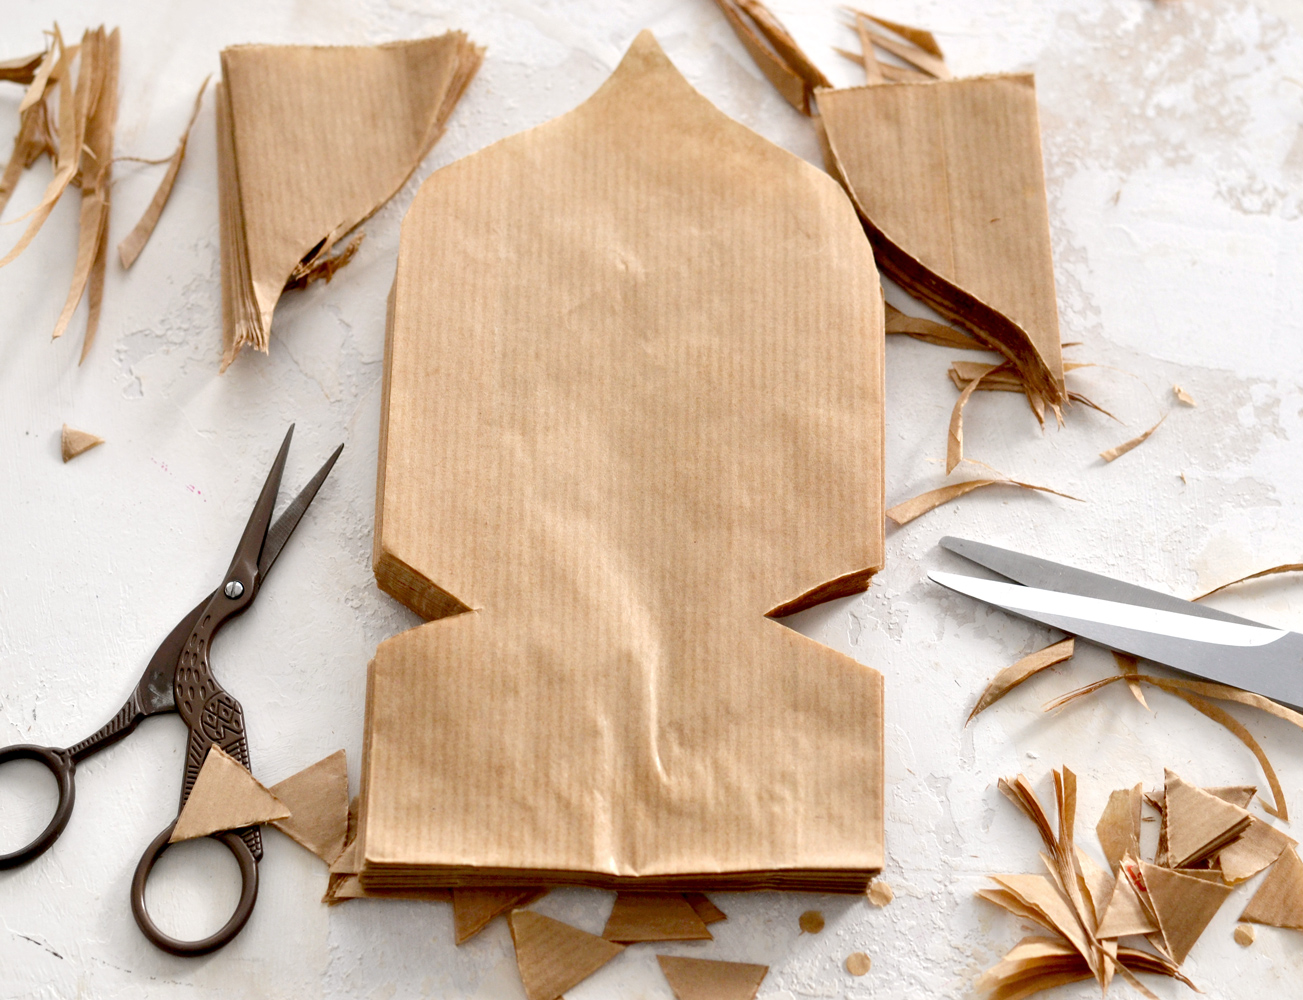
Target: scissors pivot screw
(234, 590)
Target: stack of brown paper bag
(632, 413)
(311, 141)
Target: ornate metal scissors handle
(179, 679)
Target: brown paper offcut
(948, 179)
(311, 141)
(73, 442)
(472, 909)
(1198, 824)
(654, 916)
(1279, 900)
(657, 342)
(707, 979)
(225, 796)
(1024, 669)
(1069, 901)
(775, 51)
(917, 506)
(317, 799)
(79, 140)
(129, 249)
(552, 956)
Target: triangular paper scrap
(1279, 900)
(1236, 795)
(317, 798)
(225, 796)
(73, 442)
(637, 693)
(1258, 846)
(705, 909)
(319, 138)
(948, 178)
(706, 979)
(653, 916)
(552, 956)
(1125, 913)
(472, 909)
(1198, 824)
(1184, 906)
(1119, 825)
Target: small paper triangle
(704, 979)
(317, 798)
(705, 909)
(1184, 906)
(1279, 900)
(74, 442)
(225, 796)
(472, 909)
(1198, 824)
(1125, 913)
(552, 956)
(654, 916)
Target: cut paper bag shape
(73, 442)
(225, 796)
(948, 179)
(311, 140)
(632, 405)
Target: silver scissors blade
(1243, 654)
(1034, 572)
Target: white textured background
(1173, 138)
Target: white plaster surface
(1173, 138)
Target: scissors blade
(155, 691)
(285, 524)
(249, 551)
(1033, 572)
(1244, 655)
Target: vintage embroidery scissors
(178, 679)
(1189, 637)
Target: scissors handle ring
(243, 910)
(63, 767)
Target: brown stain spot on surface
(811, 922)
(858, 963)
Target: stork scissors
(179, 679)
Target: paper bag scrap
(311, 141)
(657, 341)
(948, 178)
(225, 796)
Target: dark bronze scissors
(178, 679)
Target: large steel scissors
(1189, 637)
(179, 679)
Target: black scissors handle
(61, 764)
(236, 844)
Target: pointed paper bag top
(633, 404)
(949, 180)
(1279, 900)
(1184, 906)
(317, 798)
(1198, 824)
(321, 137)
